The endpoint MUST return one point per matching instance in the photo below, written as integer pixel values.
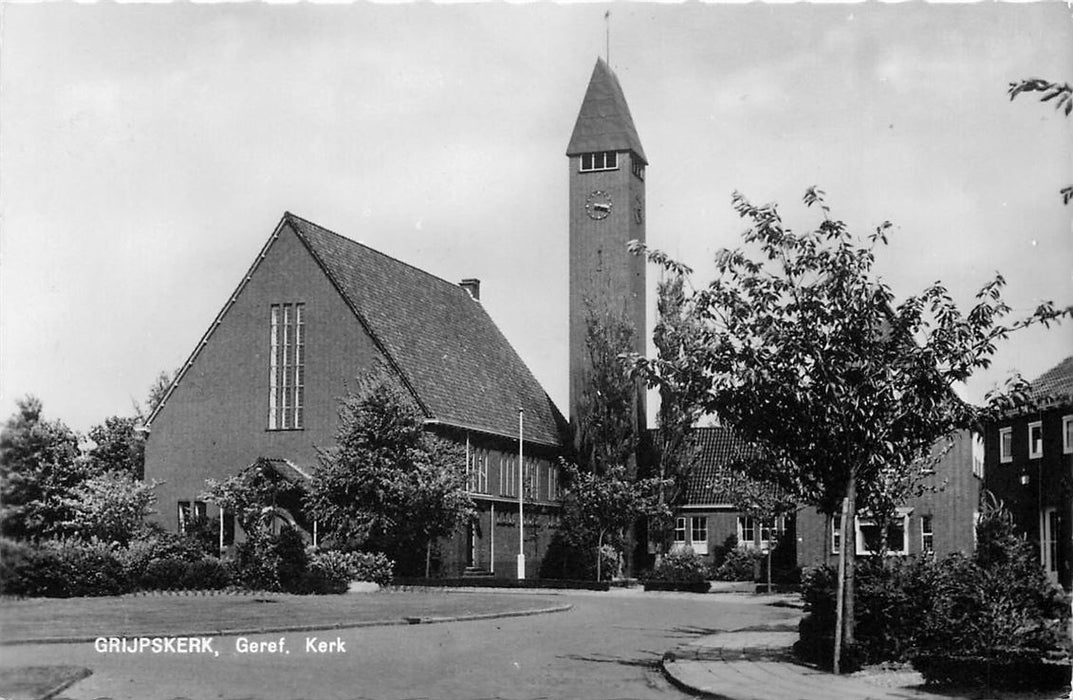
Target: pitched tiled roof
(1056, 384)
(712, 481)
(604, 122)
(452, 356)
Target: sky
(148, 151)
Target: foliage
(61, 569)
(599, 507)
(681, 565)
(608, 419)
(157, 391)
(386, 484)
(252, 495)
(274, 562)
(996, 605)
(1062, 94)
(681, 391)
(117, 447)
(842, 391)
(39, 464)
(738, 564)
(111, 507)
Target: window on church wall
(637, 166)
(477, 471)
(286, 376)
(191, 512)
(508, 475)
(601, 160)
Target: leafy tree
(681, 389)
(39, 464)
(810, 359)
(600, 507)
(253, 496)
(111, 507)
(1062, 94)
(386, 484)
(118, 447)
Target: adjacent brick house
(1030, 468)
(314, 311)
(940, 521)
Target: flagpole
(521, 495)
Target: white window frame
(698, 524)
(1048, 541)
(836, 534)
(977, 455)
(1005, 445)
(1034, 453)
(927, 534)
(680, 532)
(747, 523)
(1067, 435)
(866, 521)
(601, 157)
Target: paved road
(607, 646)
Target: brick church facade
(316, 310)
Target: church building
(315, 310)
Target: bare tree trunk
(428, 558)
(769, 570)
(840, 590)
(850, 619)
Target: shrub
(137, 555)
(163, 574)
(372, 566)
(738, 564)
(680, 566)
(61, 569)
(208, 574)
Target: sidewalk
(758, 665)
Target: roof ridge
(382, 254)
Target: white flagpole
(521, 496)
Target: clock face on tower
(598, 205)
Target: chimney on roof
(473, 286)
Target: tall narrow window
(746, 532)
(286, 372)
(698, 534)
(1005, 445)
(1035, 440)
(836, 534)
(680, 531)
(927, 535)
(1067, 434)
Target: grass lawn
(162, 615)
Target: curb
(681, 684)
(300, 628)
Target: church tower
(607, 210)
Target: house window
(978, 455)
(927, 535)
(770, 529)
(836, 534)
(286, 375)
(1067, 435)
(1035, 440)
(1048, 542)
(602, 160)
(680, 531)
(870, 535)
(746, 532)
(191, 513)
(1005, 445)
(698, 534)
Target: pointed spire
(604, 122)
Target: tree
(597, 507)
(118, 447)
(1062, 94)
(39, 464)
(386, 484)
(681, 389)
(809, 359)
(111, 507)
